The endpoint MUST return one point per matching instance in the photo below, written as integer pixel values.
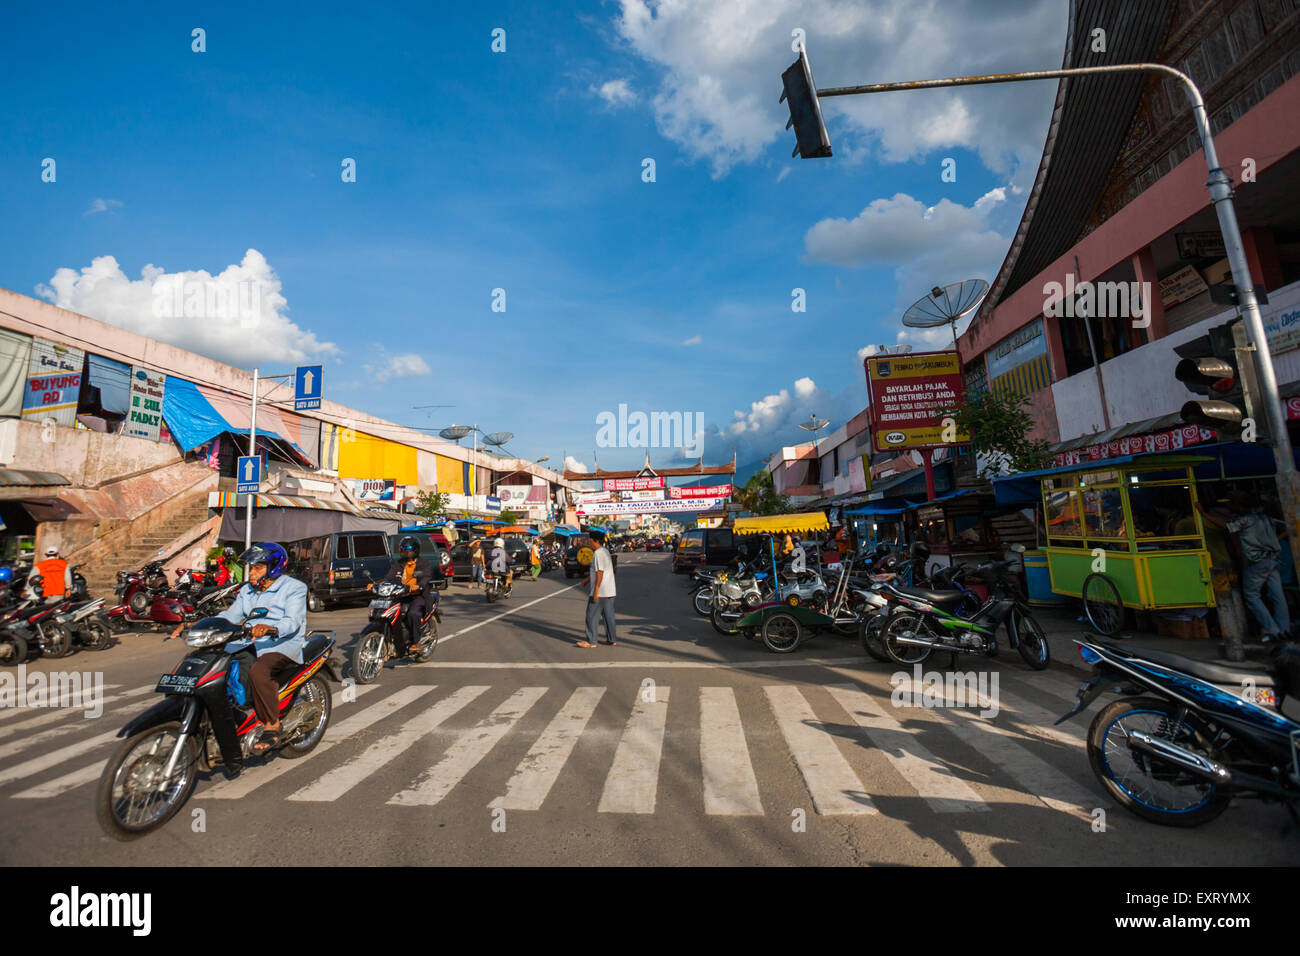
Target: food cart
(1124, 533)
(782, 626)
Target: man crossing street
(600, 593)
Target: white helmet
(500, 542)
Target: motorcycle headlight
(206, 636)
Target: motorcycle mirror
(257, 612)
(1018, 548)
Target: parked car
(573, 567)
(654, 544)
(335, 566)
(713, 547)
(434, 546)
(516, 551)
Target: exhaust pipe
(916, 641)
(1193, 763)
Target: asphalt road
(679, 746)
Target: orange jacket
(53, 572)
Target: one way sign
(306, 388)
(248, 477)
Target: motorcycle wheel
(95, 636)
(139, 603)
(702, 600)
(314, 603)
(490, 593)
(904, 625)
(13, 649)
(781, 633)
(56, 640)
(430, 643)
(128, 802)
(1148, 787)
(319, 692)
(119, 625)
(368, 656)
(1030, 640)
(869, 632)
(719, 625)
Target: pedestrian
(600, 593)
(535, 558)
(476, 562)
(1259, 541)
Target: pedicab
(781, 625)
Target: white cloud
(693, 340)
(103, 205)
(407, 365)
(721, 62)
(785, 171)
(616, 93)
(237, 316)
(572, 464)
(804, 387)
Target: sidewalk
(1063, 627)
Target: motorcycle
(144, 598)
(1187, 735)
(387, 628)
(495, 587)
(33, 628)
(83, 617)
(928, 622)
(197, 726)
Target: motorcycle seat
(316, 644)
(1216, 672)
(937, 598)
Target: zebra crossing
(822, 736)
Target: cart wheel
(1102, 605)
(781, 633)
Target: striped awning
(228, 499)
(16, 478)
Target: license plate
(379, 604)
(175, 684)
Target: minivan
(714, 547)
(337, 567)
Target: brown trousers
(262, 681)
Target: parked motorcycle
(145, 599)
(1188, 736)
(379, 641)
(197, 726)
(33, 628)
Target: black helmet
(920, 550)
(408, 545)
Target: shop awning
(16, 478)
(782, 524)
(196, 414)
(1024, 488)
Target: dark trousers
(415, 612)
(262, 677)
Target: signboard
(1019, 361)
(651, 507)
(908, 392)
(1180, 286)
(643, 495)
(376, 489)
(144, 416)
(1170, 440)
(591, 497)
(1200, 245)
(307, 387)
(1282, 322)
(248, 475)
(633, 484)
(713, 491)
(493, 503)
(53, 383)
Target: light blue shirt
(286, 604)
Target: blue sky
(522, 171)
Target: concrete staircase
(152, 544)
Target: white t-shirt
(600, 561)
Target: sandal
(585, 644)
(610, 643)
(271, 738)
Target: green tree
(758, 495)
(431, 505)
(999, 427)
(508, 516)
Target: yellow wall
(450, 476)
(369, 457)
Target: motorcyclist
(500, 564)
(415, 572)
(278, 638)
(56, 575)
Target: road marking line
(53, 715)
(532, 780)
(341, 779)
(54, 757)
(29, 739)
(730, 787)
(469, 748)
(69, 781)
(597, 665)
(633, 780)
(8, 713)
(466, 630)
(831, 782)
(930, 777)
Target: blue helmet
(269, 553)
(6, 575)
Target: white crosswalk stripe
(51, 714)
(633, 781)
(340, 780)
(834, 787)
(54, 757)
(471, 747)
(528, 788)
(730, 787)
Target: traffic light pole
(1220, 186)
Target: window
(1103, 510)
(369, 546)
(342, 548)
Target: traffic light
(1221, 366)
(811, 138)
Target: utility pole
(252, 450)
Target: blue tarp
(192, 419)
(113, 379)
(897, 506)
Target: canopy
(196, 414)
(514, 529)
(779, 524)
(1024, 488)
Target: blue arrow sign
(307, 387)
(248, 475)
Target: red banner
(713, 491)
(1171, 440)
(633, 484)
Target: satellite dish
(498, 439)
(944, 306)
(455, 432)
